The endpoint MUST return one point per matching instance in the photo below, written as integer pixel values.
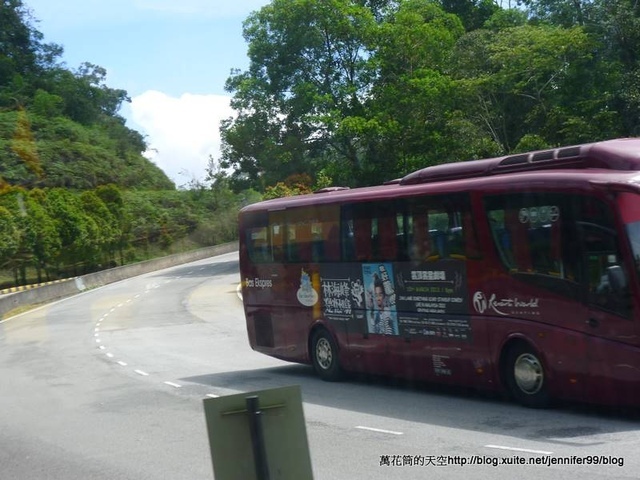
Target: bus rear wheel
(324, 355)
(525, 376)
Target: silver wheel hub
(528, 373)
(324, 354)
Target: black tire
(324, 356)
(525, 376)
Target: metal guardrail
(22, 288)
(51, 291)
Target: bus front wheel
(525, 376)
(324, 355)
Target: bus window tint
(438, 229)
(370, 230)
(299, 242)
(311, 235)
(426, 228)
(278, 238)
(258, 245)
(629, 208)
(633, 233)
(527, 232)
(605, 277)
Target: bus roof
(598, 161)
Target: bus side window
(331, 242)
(385, 238)
(258, 245)
(531, 234)
(299, 242)
(419, 247)
(438, 222)
(347, 239)
(404, 235)
(362, 234)
(501, 237)
(278, 242)
(440, 228)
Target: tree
(412, 95)
(309, 69)
(617, 29)
(472, 13)
(41, 236)
(531, 80)
(86, 97)
(9, 236)
(563, 13)
(107, 233)
(75, 229)
(24, 57)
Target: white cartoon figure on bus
(307, 296)
(381, 299)
(357, 292)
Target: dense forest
(337, 92)
(356, 92)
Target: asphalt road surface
(110, 384)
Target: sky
(171, 56)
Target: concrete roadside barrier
(61, 289)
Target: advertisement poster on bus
(426, 300)
(380, 298)
(433, 300)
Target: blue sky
(172, 57)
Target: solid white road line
(379, 430)
(514, 449)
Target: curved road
(109, 385)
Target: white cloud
(182, 133)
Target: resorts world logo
(479, 302)
(482, 304)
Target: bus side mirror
(617, 279)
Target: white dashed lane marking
(120, 305)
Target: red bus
(519, 273)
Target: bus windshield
(633, 232)
(629, 204)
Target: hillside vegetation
(76, 193)
(337, 92)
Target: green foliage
(346, 92)
(60, 128)
(472, 13)
(364, 93)
(9, 236)
(57, 232)
(294, 185)
(309, 68)
(76, 193)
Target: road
(109, 384)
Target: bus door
(614, 357)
